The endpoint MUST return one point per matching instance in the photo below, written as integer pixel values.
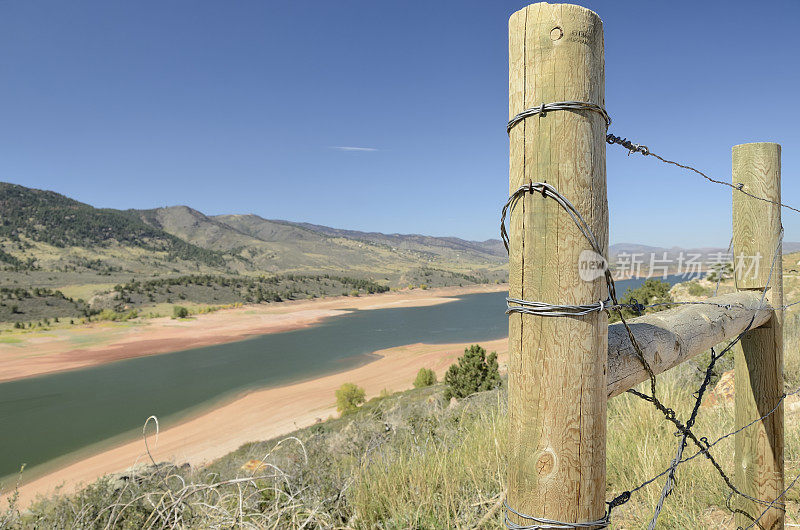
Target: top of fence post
(756, 224)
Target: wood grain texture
(669, 338)
(557, 366)
(756, 224)
(759, 356)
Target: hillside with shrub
(50, 218)
(102, 259)
(412, 459)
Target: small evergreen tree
(474, 372)
(652, 291)
(723, 270)
(425, 377)
(349, 397)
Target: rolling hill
(31, 216)
(45, 231)
(60, 258)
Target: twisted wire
(517, 305)
(550, 524)
(686, 429)
(527, 307)
(544, 309)
(544, 108)
(670, 415)
(547, 190)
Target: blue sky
(248, 106)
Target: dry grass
(412, 460)
(407, 461)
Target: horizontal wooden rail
(670, 337)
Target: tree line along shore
(29, 308)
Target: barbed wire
(544, 309)
(612, 139)
(667, 489)
(725, 436)
(715, 442)
(669, 413)
(687, 434)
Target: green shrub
(349, 397)
(425, 377)
(108, 314)
(474, 372)
(652, 291)
(179, 311)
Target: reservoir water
(47, 417)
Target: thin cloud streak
(350, 148)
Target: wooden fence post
(557, 366)
(759, 356)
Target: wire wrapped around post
(544, 309)
(544, 108)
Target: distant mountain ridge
(51, 231)
(493, 247)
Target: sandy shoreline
(261, 414)
(80, 347)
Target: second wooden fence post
(759, 356)
(557, 365)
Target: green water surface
(47, 417)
